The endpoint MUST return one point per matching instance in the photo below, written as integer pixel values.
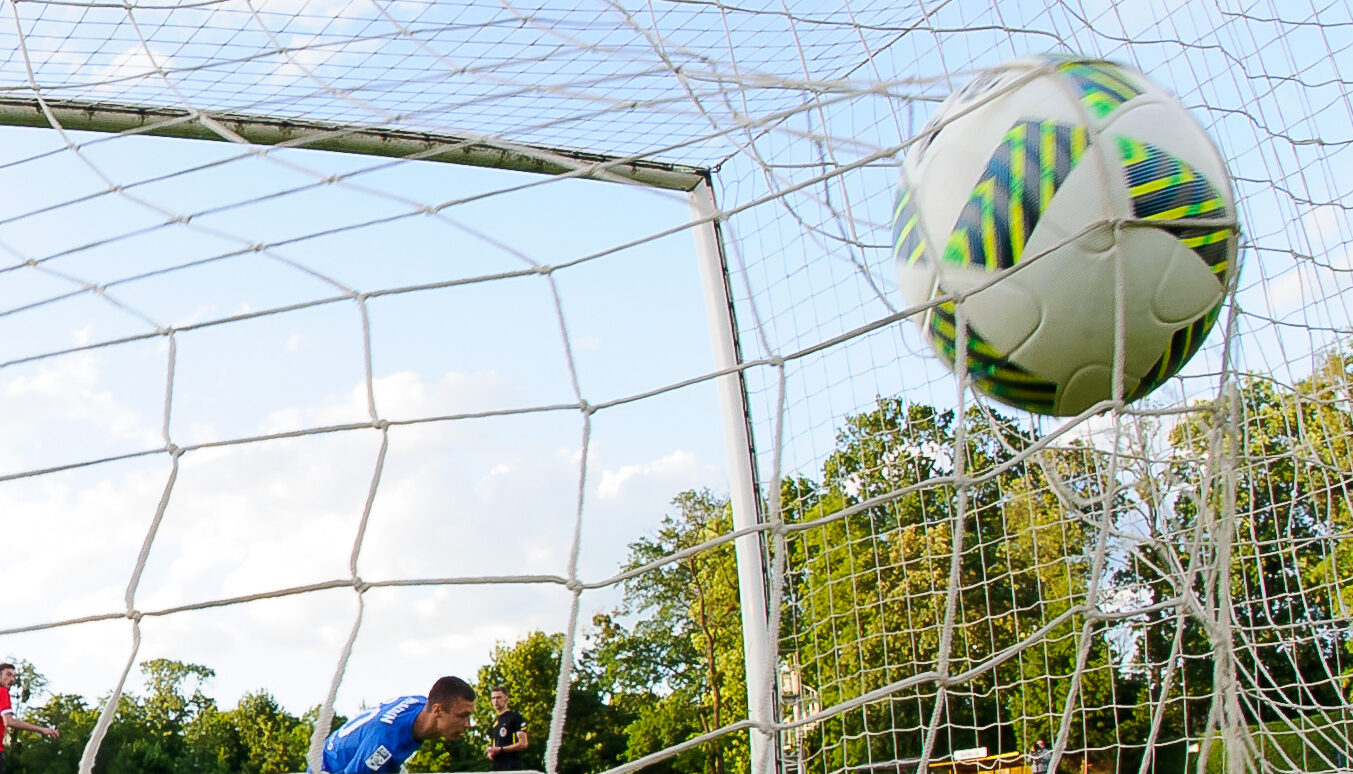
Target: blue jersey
(379, 739)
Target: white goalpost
(345, 341)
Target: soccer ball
(1055, 194)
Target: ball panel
(1158, 120)
(1215, 246)
(1163, 187)
(1077, 294)
(1024, 173)
(1103, 86)
(911, 254)
(1085, 387)
(1085, 198)
(1184, 344)
(944, 164)
(1188, 287)
(991, 372)
(1005, 314)
(908, 240)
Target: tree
(529, 669)
(671, 657)
(273, 740)
(71, 714)
(1290, 565)
(213, 744)
(147, 735)
(873, 582)
(174, 729)
(1265, 473)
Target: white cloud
(463, 499)
(679, 465)
(51, 407)
(1328, 230)
(131, 64)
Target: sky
(490, 496)
(460, 324)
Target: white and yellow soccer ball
(1035, 192)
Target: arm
(518, 745)
(12, 722)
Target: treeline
(173, 728)
(1112, 597)
(664, 667)
(1080, 590)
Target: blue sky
(489, 496)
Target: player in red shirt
(8, 677)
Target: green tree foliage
(29, 753)
(214, 744)
(273, 740)
(148, 736)
(898, 550)
(1290, 567)
(173, 729)
(529, 669)
(671, 657)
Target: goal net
(342, 342)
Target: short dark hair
(448, 688)
(500, 689)
(8, 665)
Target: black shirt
(504, 733)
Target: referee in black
(508, 735)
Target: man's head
(8, 675)
(450, 705)
(499, 698)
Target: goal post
(757, 637)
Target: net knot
(135, 616)
(381, 424)
(360, 586)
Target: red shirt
(5, 714)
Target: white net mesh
(357, 408)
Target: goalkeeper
(381, 739)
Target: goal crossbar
(116, 118)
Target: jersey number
(358, 722)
